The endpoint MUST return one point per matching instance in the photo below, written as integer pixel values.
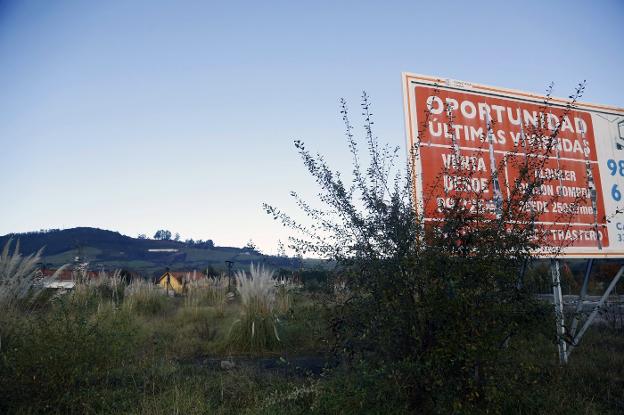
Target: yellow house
(172, 282)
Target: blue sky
(140, 115)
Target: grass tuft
(207, 292)
(257, 328)
(17, 274)
(145, 298)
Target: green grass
(96, 356)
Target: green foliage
(431, 308)
(72, 357)
(48, 359)
(162, 234)
(362, 389)
(535, 384)
(313, 280)
(305, 329)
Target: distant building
(176, 282)
(59, 285)
(67, 275)
(171, 283)
(66, 279)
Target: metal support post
(229, 268)
(523, 269)
(594, 313)
(558, 301)
(579, 305)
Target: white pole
(497, 194)
(594, 313)
(558, 301)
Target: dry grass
(207, 291)
(17, 274)
(256, 329)
(145, 298)
(284, 289)
(106, 289)
(20, 279)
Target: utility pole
(229, 267)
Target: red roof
(66, 274)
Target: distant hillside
(110, 250)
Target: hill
(110, 250)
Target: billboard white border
(411, 132)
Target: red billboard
(459, 126)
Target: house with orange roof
(176, 281)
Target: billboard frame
(411, 130)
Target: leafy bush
(430, 307)
(313, 280)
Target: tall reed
(207, 291)
(105, 289)
(145, 297)
(284, 289)
(20, 279)
(257, 328)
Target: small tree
(163, 235)
(429, 306)
(251, 246)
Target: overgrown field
(108, 348)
